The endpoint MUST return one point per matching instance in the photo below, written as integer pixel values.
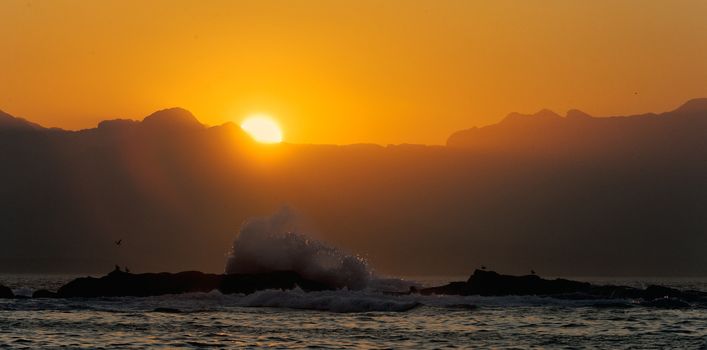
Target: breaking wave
(266, 244)
(334, 301)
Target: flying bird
(483, 267)
(118, 242)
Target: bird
(127, 270)
(532, 272)
(118, 241)
(483, 267)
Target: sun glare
(262, 128)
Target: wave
(369, 301)
(266, 244)
(335, 301)
(23, 291)
(339, 301)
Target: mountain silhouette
(8, 122)
(568, 195)
(697, 106)
(578, 132)
(172, 119)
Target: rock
(490, 283)
(493, 283)
(118, 283)
(43, 293)
(6, 293)
(453, 288)
(249, 283)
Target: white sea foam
(201, 320)
(23, 291)
(267, 244)
(335, 301)
(345, 301)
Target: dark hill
(546, 133)
(172, 119)
(8, 122)
(574, 195)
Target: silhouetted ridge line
(9, 122)
(172, 118)
(543, 114)
(594, 196)
(546, 132)
(115, 124)
(695, 105)
(577, 114)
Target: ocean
(367, 319)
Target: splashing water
(266, 244)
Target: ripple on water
(213, 320)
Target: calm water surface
(342, 319)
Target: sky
(348, 71)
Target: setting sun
(395, 173)
(263, 129)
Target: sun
(262, 128)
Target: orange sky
(348, 71)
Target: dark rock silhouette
(6, 293)
(578, 133)
(693, 106)
(563, 195)
(577, 115)
(118, 283)
(43, 293)
(484, 283)
(8, 122)
(172, 119)
(491, 283)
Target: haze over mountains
(572, 195)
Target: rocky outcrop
(6, 293)
(43, 293)
(118, 283)
(9, 122)
(490, 283)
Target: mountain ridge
(8, 121)
(591, 196)
(175, 119)
(578, 131)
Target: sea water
(343, 319)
